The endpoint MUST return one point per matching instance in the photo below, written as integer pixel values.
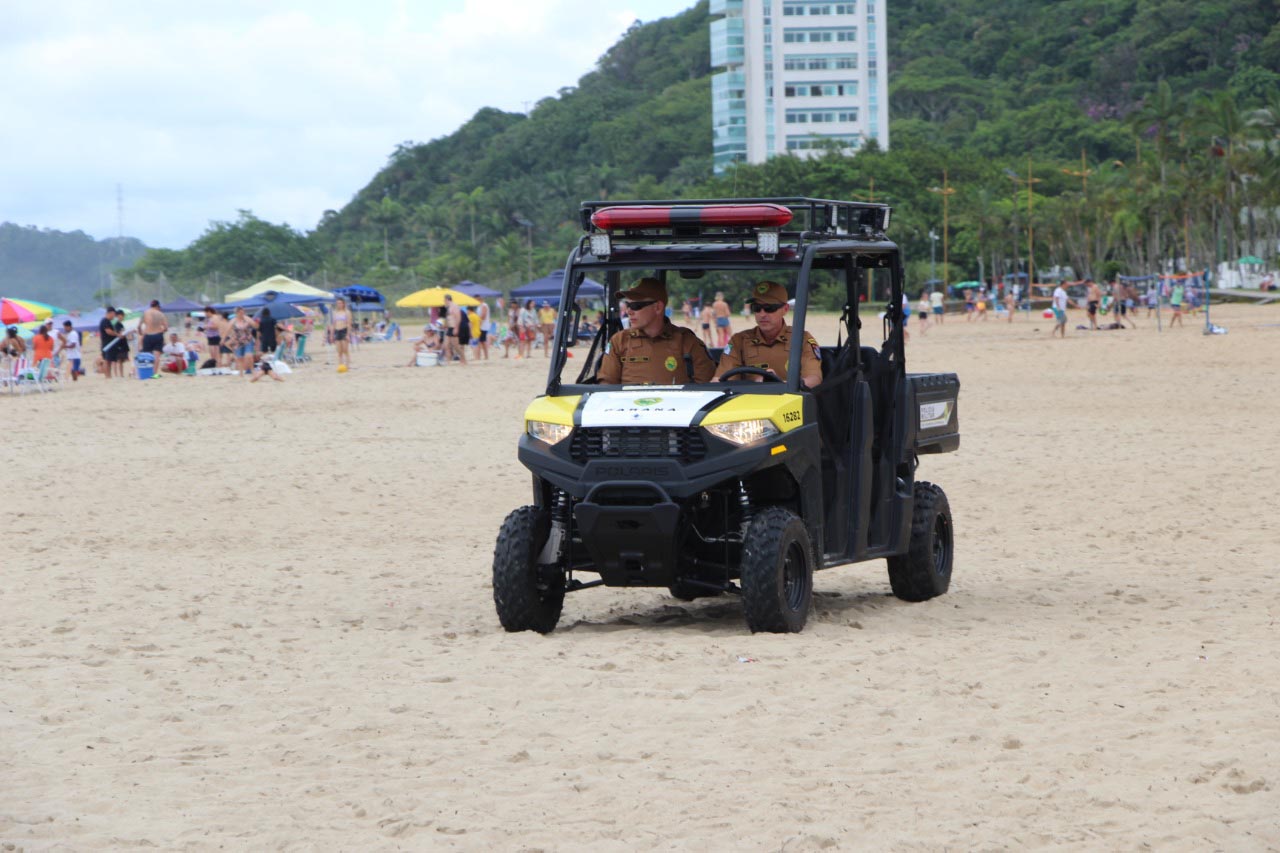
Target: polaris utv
(741, 487)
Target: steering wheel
(751, 371)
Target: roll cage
(846, 237)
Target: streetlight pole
(946, 191)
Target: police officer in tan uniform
(768, 345)
(653, 351)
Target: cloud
(284, 108)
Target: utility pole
(1029, 182)
(946, 191)
(1083, 175)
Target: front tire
(527, 597)
(777, 572)
(925, 570)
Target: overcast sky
(283, 107)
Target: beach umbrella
(24, 311)
(966, 285)
(433, 297)
(1251, 260)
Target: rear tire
(777, 572)
(925, 570)
(527, 598)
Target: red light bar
(714, 215)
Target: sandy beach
(259, 616)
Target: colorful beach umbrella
(23, 311)
(433, 297)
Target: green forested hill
(63, 269)
(1144, 126)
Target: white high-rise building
(795, 73)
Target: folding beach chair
(300, 355)
(13, 370)
(34, 377)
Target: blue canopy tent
(271, 298)
(362, 298)
(547, 289)
(479, 291)
(181, 305)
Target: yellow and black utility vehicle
(741, 487)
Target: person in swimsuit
(340, 321)
(213, 334)
(242, 331)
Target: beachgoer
(528, 328)
(547, 323)
(123, 348)
(1010, 304)
(175, 355)
(13, 345)
(264, 368)
(707, 317)
(768, 345)
(938, 304)
(981, 303)
(1153, 299)
(41, 346)
(724, 328)
(242, 329)
(268, 339)
(106, 337)
(1059, 311)
(152, 327)
(1093, 299)
(653, 350)
(1175, 302)
(70, 349)
(922, 308)
(342, 326)
(487, 328)
(453, 321)
(1120, 303)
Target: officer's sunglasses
(757, 307)
(639, 306)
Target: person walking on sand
(1120, 302)
(547, 323)
(1059, 311)
(528, 329)
(1010, 304)
(938, 304)
(243, 329)
(69, 347)
(706, 318)
(922, 308)
(342, 325)
(724, 330)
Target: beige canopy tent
(280, 284)
(433, 297)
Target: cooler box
(145, 362)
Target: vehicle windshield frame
(581, 264)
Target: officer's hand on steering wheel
(765, 374)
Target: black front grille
(683, 443)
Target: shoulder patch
(728, 348)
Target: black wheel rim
(794, 577)
(941, 545)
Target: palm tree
(386, 212)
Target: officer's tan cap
(769, 293)
(646, 290)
